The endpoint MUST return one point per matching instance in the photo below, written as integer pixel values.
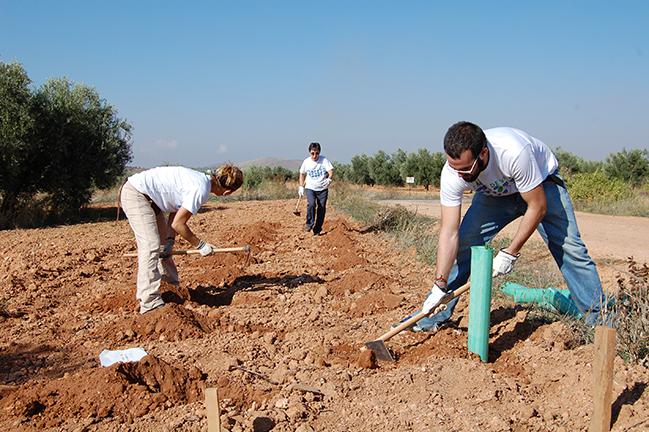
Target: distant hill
(290, 164)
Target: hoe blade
(380, 350)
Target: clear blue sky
(206, 82)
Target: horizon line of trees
(628, 166)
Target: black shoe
(307, 228)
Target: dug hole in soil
(278, 336)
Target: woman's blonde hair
(229, 177)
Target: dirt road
(607, 237)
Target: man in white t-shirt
(513, 174)
(316, 173)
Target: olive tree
(60, 141)
(82, 144)
(425, 167)
(630, 166)
(384, 170)
(16, 128)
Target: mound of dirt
(123, 390)
(239, 393)
(373, 302)
(258, 235)
(215, 270)
(342, 246)
(355, 280)
(171, 322)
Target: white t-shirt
(316, 172)
(518, 162)
(173, 187)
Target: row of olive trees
(605, 182)
(255, 175)
(57, 143)
(628, 166)
(392, 169)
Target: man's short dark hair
(314, 146)
(464, 136)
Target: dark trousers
(316, 209)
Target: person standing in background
(316, 174)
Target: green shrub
(629, 166)
(254, 176)
(596, 186)
(571, 164)
(266, 189)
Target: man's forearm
(446, 254)
(530, 221)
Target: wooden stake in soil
(603, 378)
(213, 410)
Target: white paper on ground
(107, 357)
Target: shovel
(296, 212)
(245, 248)
(378, 346)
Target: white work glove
(436, 294)
(300, 191)
(205, 248)
(503, 263)
(168, 247)
(327, 182)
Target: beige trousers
(150, 232)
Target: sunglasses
(315, 152)
(469, 171)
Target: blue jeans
(316, 209)
(488, 215)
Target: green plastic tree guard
(480, 301)
(554, 299)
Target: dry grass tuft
(631, 313)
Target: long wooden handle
(412, 320)
(245, 248)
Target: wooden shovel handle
(245, 248)
(404, 325)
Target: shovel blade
(296, 213)
(380, 350)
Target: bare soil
(279, 337)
